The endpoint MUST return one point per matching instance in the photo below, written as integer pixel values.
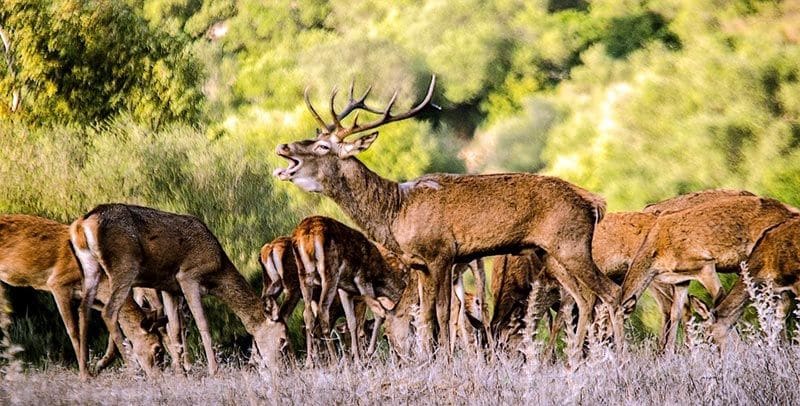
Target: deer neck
(233, 290)
(370, 200)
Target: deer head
(314, 161)
(270, 339)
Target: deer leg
(121, 290)
(63, 299)
(557, 323)
(442, 273)
(576, 259)
(479, 272)
(461, 318)
(174, 330)
(308, 319)
(576, 291)
(376, 328)
(352, 324)
(326, 296)
(710, 280)
(639, 276)
(427, 284)
(91, 278)
(191, 291)
(662, 294)
(728, 312)
(680, 295)
(108, 356)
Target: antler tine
(312, 110)
(386, 115)
(336, 123)
(357, 104)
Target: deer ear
(354, 148)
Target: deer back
(722, 230)
(33, 250)
(685, 201)
(158, 244)
(450, 212)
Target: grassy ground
(752, 373)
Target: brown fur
(36, 252)
(340, 259)
(775, 258)
(178, 254)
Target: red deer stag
(775, 258)
(36, 252)
(140, 246)
(694, 243)
(439, 220)
(340, 259)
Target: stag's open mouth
(288, 172)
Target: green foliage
(80, 62)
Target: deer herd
(556, 252)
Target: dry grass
(758, 369)
(749, 373)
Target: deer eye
(322, 148)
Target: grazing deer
(694, 243)
(340, 259)
(279, 275)
(36, 252)
(776, 258)
(615, 243)
(439, 220)
(164, 306)
(140, 246)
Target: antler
(354, 104)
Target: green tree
(76, 61)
